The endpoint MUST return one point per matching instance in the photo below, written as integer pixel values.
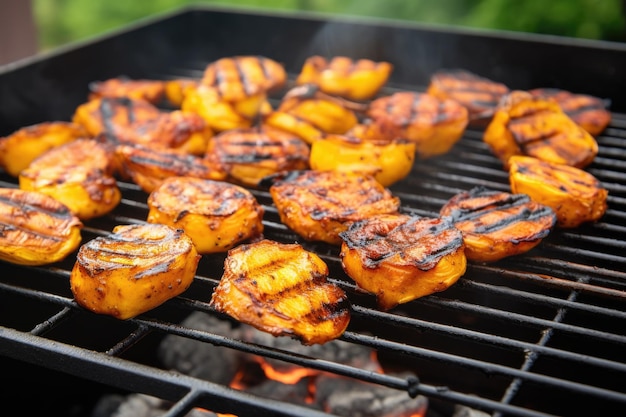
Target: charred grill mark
(243, 78)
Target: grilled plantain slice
(283, 290)
(587, 111)
(310, 114)
(215, 215)
(498, 224)
(184, 131)
(537, 127)
(104, 115)
(240, 77)
(120, 87)
(79, 174)
(21, 147)
(35, 228)
(434, 125)
(342, 76)
(387, 162)
(176, 89)
(318, 205)
(133, 270)
(400, 258)
(221, 114)
(149, 167)
(251, 154)
(478, 94)
(575, 195)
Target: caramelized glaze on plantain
(215, 215)
(318, 205)
(342, 76)
(250, 154)
(149, 167)
(400, 258)
(534, 126)
(120, 87)
(575, 195)
(498, 224)
(36, 229)
(133, 270)
(283, 290)
(478, 94)
(434, 125)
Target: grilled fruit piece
(359, 79)
(215, 215)
(434, 125)
(36, 229)
(387, 162)
(176, 89)
(587, 111)
(149, 167)
(21, 147)
(479, 95)
(309, 114)
(575, 195)
(282, 289)
(498, 224)
(240, 77)
(250, 154)
(537, 127)
(133, 270)
(318, 205)
(104, 115)
(221, 114)
(149, 90)
(139, 122)
(400, 258)
(78, 174)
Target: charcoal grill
(539, 334)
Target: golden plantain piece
(400, 258)
(283, 290)
(310, 114)
(479, 95)
(534, 126)
(215, 215)
(575, 195)
(35, 228)
(251, 154)
(176, 89)
(104, 115)
(133, 270)
(185, 131)
(239, 77)
(318, 205)
(152, 91)
(497, 224)
(587, 111)
(221, 114)
(79, 174)
(148, 167)
(342, 76)
(21, 147)
(434, 125)
(387, 162)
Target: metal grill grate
(538, 334)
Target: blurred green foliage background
(64, 21)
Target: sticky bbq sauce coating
(36, 229)
(282, 289)
(318, 205)
(216, 215)
(498, 224)
(133, 270)
(400, 258)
